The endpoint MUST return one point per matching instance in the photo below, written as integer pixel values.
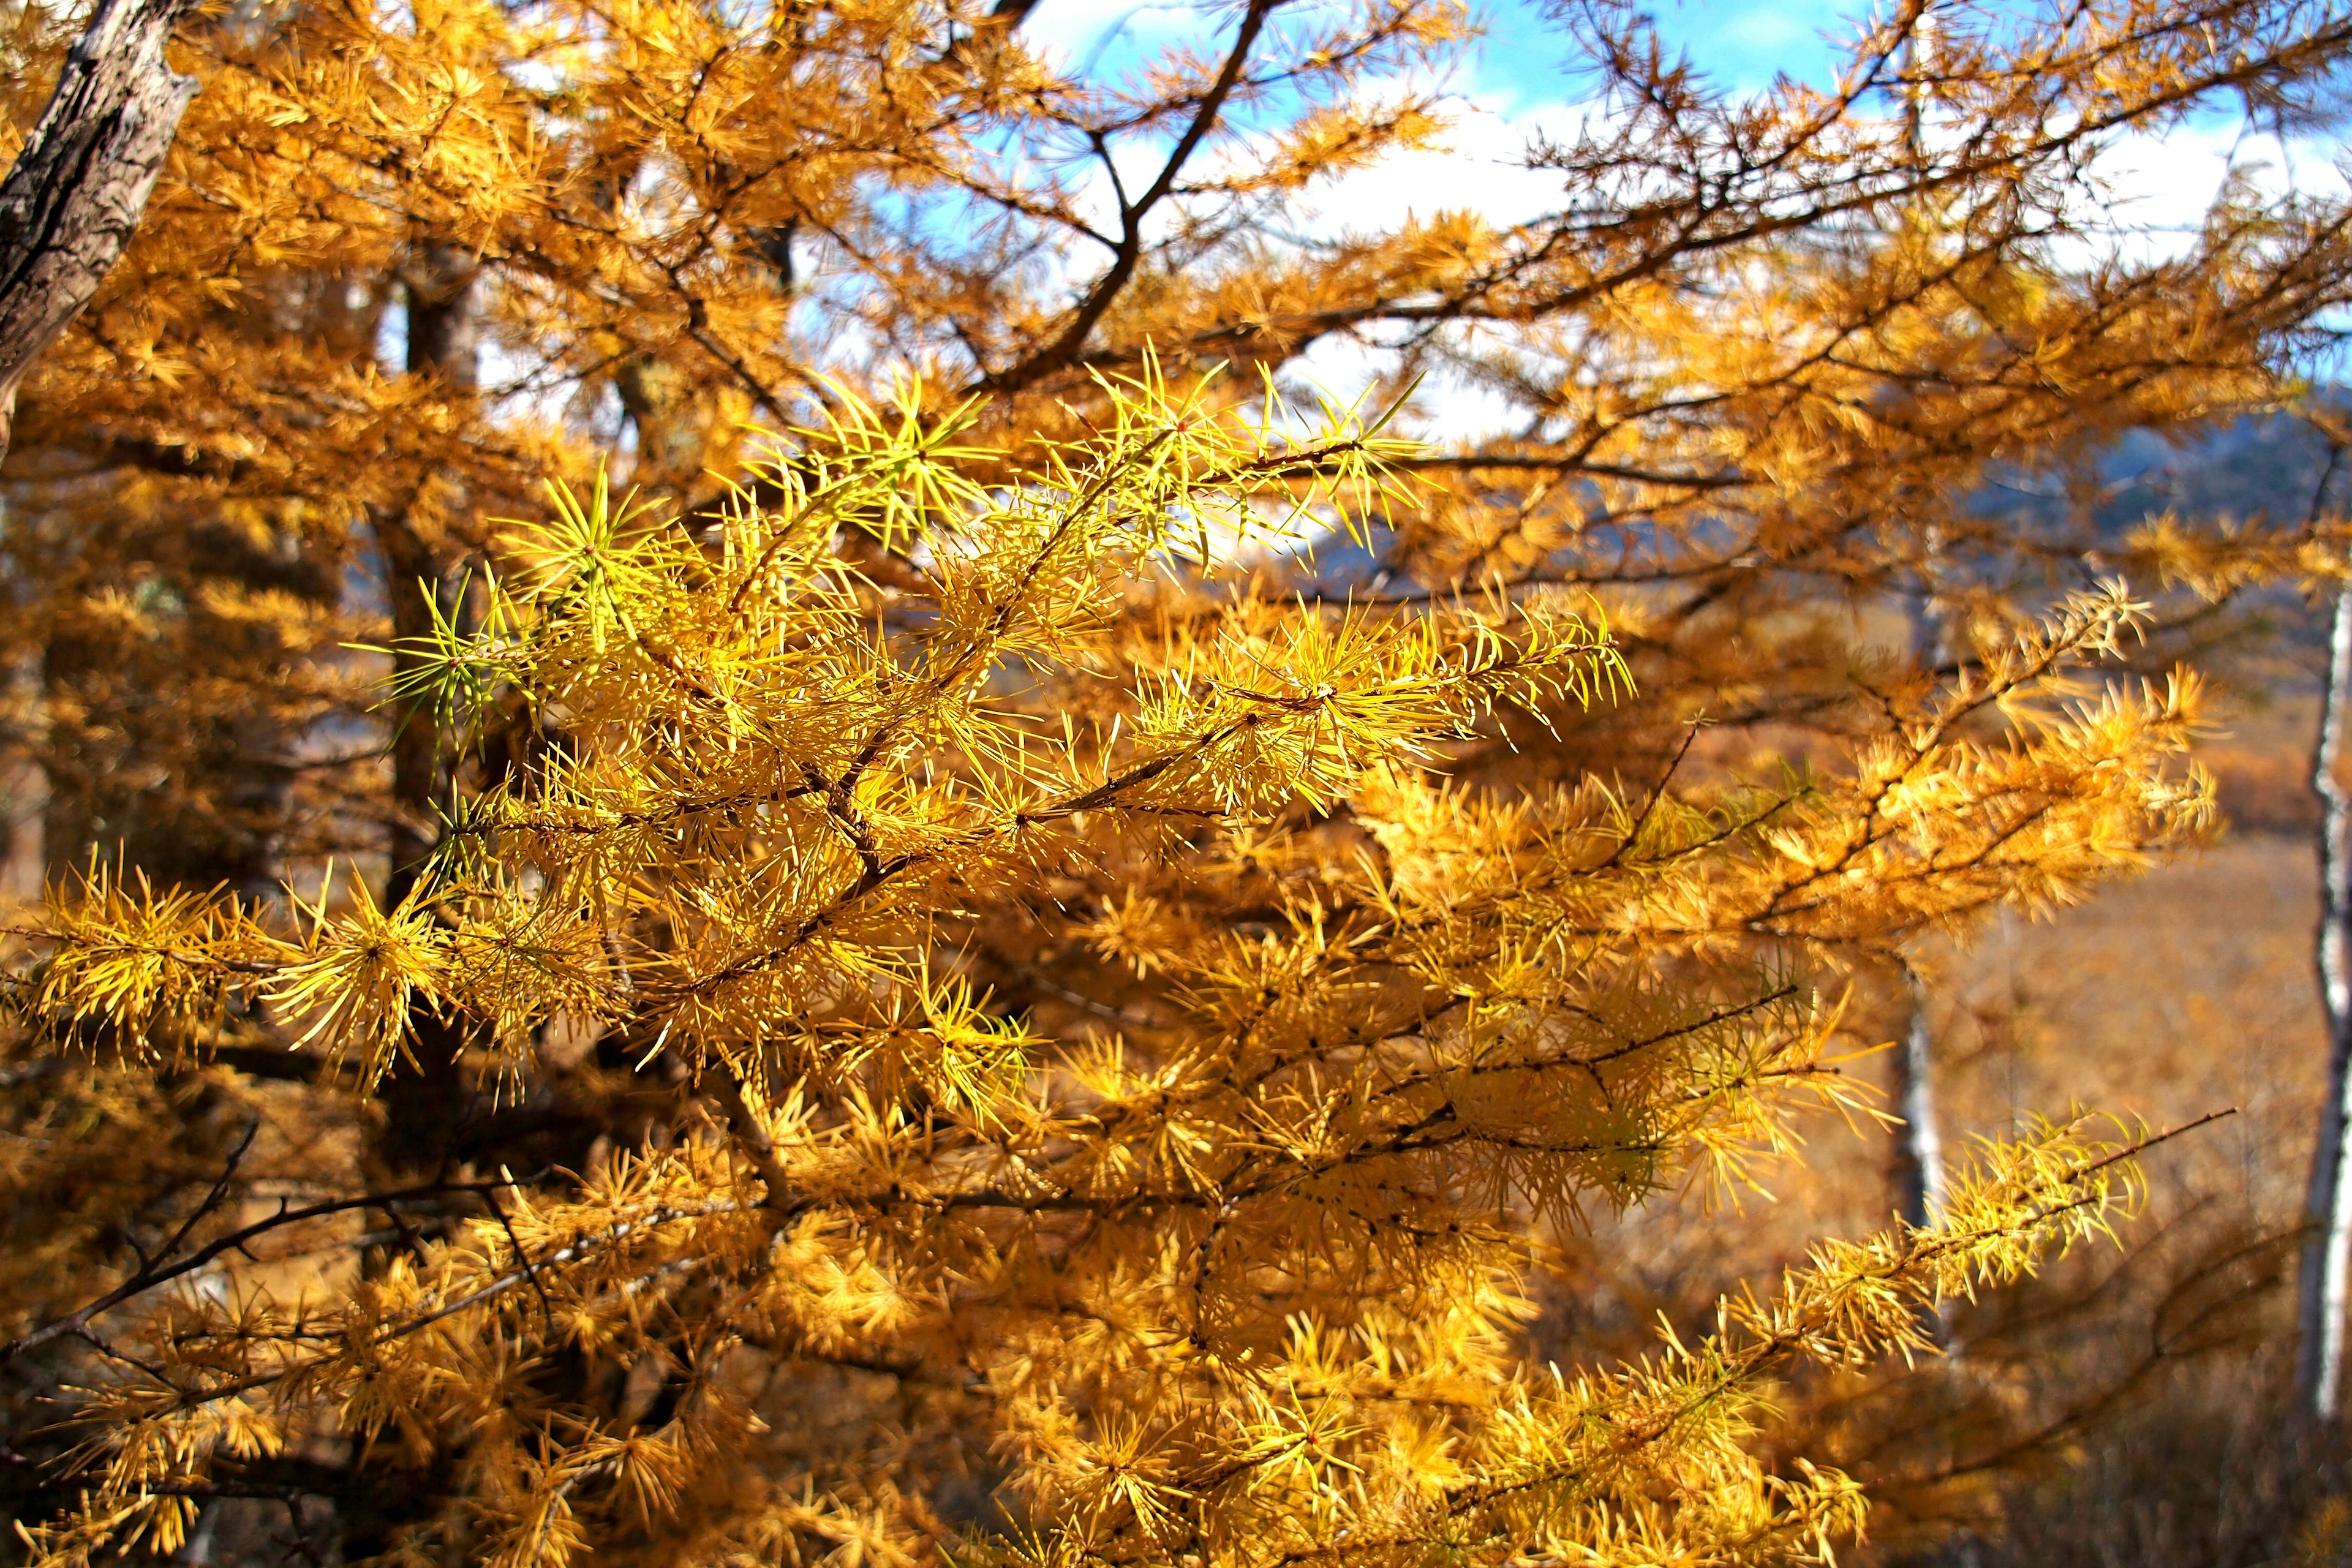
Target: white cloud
(1113, 34)
(2161, 187)
(1480, 166)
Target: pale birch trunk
(2327, 1206)
(1918, 1173)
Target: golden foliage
(1233, 1281)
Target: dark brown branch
(160, 1273)
(1065, 350)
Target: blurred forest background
(2158, 1374)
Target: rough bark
(2327, 1242)
(76, 192)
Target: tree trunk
(424, 1101)
(1917, 1172)
(445, 342)
(76, 192)
(1918, 1168)
(420, 759)
(2327, 1206)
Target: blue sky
(1514, 81)
(1516, 84)
(1739, 43)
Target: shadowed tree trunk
(76, 190)
(445, 342)
(424, 1101)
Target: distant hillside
(2267, 466)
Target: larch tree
(984, 941)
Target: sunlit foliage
(1224, 1270)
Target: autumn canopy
(799, 793)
